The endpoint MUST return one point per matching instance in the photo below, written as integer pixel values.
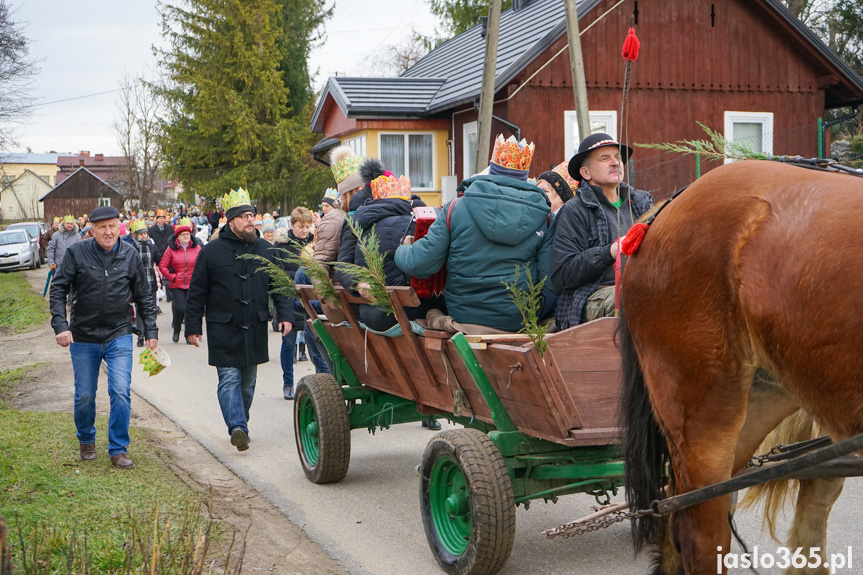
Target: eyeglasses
(247, 217)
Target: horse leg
(809, 529)
(702, 441)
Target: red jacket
(177, 264)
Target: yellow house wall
(16, 170)
(20, 200)
(441, 157)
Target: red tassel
(633, 239)
(631, 45)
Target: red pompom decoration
(633, 239)
(631, 45)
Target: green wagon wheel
(322, 429)
(468, 509)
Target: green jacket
(500, 223)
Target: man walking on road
(234, 298)
(106, 274)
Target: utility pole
(576, 62)
(486, 99)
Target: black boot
(176, 337)
(288, 391)
(303, 357)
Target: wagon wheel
(468, 509)
(322, 429)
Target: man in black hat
(233, 297)
(106, 274)
(589, 229)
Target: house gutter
(514, 127)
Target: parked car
(37, 230)
(18, 250)
(283, 222)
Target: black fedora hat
(589, 144)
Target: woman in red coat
(177, 264)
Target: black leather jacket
(104, 283)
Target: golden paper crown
(511, 154)
(391, 187)
(234, 198)
(137, 225)
(223, 221)
(68, 219)
(258, 219)
(161, 213)
(344, 163)
(562, 170)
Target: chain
(780, 452)
(596, 522)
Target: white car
(18, 250)
(283, 222)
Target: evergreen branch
(716, 147)
(320, 278)
(529, 301)
(373, 272)
(281, 282)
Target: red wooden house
(746, 68)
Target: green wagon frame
(535, 427)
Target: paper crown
(68, 219)
(223, 220)
(235, 198)
(391, 187)
(185, 222)
(269, 224)
(344, 163)
(137, 226)
(258, 219)
(57, 219)
(562, 170)
(161, 214)
(332, 194)
(511, 154)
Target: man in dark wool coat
(234, 299)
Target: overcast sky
(85, 47)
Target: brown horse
(755, 268)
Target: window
(104, 202)
(357, 145)
(6, 180)
(411, 155)
(469, 156)
(752, 128)
(600, 121)
(46, 179)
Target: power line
(78, 97)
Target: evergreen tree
(239, 96)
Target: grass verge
(20, 307)
(65, 515)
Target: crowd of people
(564, 228)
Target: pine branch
(529, 301)
(320, 278)
(715, 148)
(281, 282)
(373, 272)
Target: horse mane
(645, 450)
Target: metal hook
(512, 369)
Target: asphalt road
(370, 521)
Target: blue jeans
(289, 343)
(236, 391)
(314, 353)
(86, 359)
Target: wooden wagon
(535, 427)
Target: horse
(755, 268)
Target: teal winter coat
(500, 223)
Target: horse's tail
(645, 450)
(796, 427)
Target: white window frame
(358, 145)
(407, 155)
(571, 137)
(763, 118)
(468, 129)
(104, 202)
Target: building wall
(20, 200)
(441, 152)
(59, 207)
(689, 70)
(47, 172)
